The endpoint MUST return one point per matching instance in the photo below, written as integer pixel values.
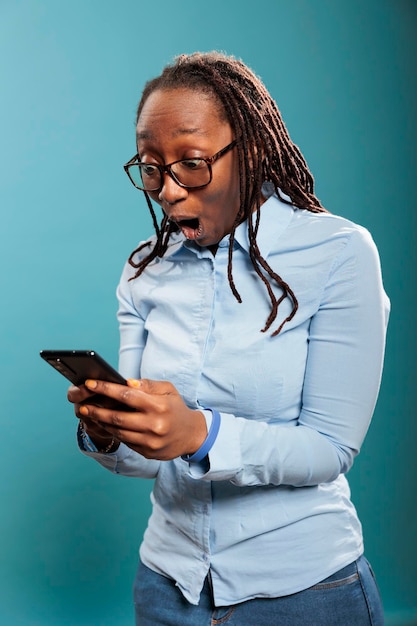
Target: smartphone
(78, 365)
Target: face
(183, 124)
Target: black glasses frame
(166, 169)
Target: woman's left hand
(159, 425)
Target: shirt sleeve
(124, 460)
(342, 378)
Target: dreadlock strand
(265, 153)
(158, 250)
(230, 267)
(152, 212)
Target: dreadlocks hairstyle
(265, 152)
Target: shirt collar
(275, 215)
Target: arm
(343, 371)
(342, 376)
(96, 441)
(123, 460)
(120, 459)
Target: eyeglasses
(187, 173)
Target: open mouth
(191, 228)
(192, 223)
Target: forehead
(174, 112)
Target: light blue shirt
(270, 513)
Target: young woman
(252, 334)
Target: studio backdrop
(71, 73)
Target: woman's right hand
(99, 435)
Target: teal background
(344, 75)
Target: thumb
(154, 387)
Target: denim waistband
(345, 572)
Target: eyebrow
(144, 134)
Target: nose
(171, 192)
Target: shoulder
(328, 236)
(317, 250)
(146, 246)
(324, 226)
(285, 229)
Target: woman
(252, 334)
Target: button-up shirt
(268, 513)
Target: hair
(265, 153)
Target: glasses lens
(144, 176)
(189, 173)
(192, 172)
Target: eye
(147, 169)
(192, 164)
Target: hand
(99, 435)
(158, 423)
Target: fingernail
(91, 384)
(133, 382)
(83, 410)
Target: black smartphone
(78, 365)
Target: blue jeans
(348, 597)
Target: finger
(137, 394)
(77, 395)
(114, 420)
(137, 438)
(153, 387)
(121, 393)
(93, 428)
(82, 414)
(120, 426)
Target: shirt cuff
(199, 469)
(224, 460)
(84, 442)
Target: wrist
(108, 446)
(94, 443)
(208, 442)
